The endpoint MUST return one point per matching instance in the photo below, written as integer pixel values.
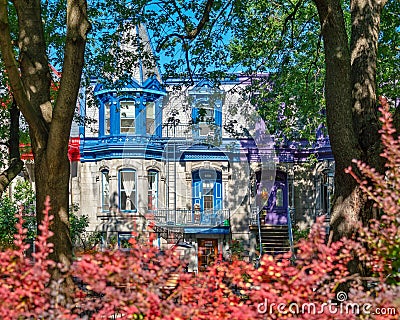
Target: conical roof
(135, 42)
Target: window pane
(152, 190)
(128, 125)
(150, 117)
(208, 202)
(279, 197)
(105, 191)
(127, 115)
(107, 118)
(127, 187)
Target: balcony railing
(184, 217)
(178, 131)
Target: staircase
(274, 239)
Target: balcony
(189, 218)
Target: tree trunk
(364, 52)
(49, 125)
(52, 179)
(344, 143)
(351, 108)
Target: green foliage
(24, 198)
(299, 234)
(78, 224)
(237, 249)
(388, 71)
(81, 239)
(7, 222)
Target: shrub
(24, 198)
(142, 283)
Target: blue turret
(129, 115)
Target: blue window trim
(197, 190)
(104, 117)
(119, 190)
(202, 102)
(218, 189)
(127, 100)
(140, 98)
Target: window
(123, 240)
(206, 118)
(326, 191)
(279, 197)
(206, 115)
(207, 190)
(127, 117)
(105, 191)
(107, 118)
(127, 188)
(152, 190)
(150, 117)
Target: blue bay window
(129, 116)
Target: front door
(208, 252)
(276, 209)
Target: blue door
(276, 209)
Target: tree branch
(190, 34)
(77, 28)
(16, 164)
(11, 65)
(205, 18)
(291, 16)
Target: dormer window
(127, 117)
(206, 120)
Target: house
(195, 167)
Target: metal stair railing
(259, 234)
(290, 229)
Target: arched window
(105, 190)
(152, 190)
(127, 190)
